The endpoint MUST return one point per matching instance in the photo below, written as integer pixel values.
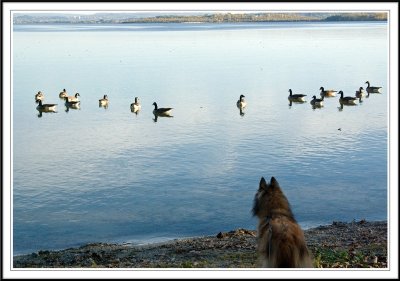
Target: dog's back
(281, 241)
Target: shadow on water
(40, 112)
(156, 115)
(291, 102)
(103, 105)
(241, 111)
(135, 110)
(76, 106)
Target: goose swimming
(136, 106)
(63, 94)
(161, 111)
(39, 96)
(371, 89)
(317, 102)
(48, 107)
(347, 100)
(327, 93)
(296, 97)
(73, 104)
(74, 98)
(360, 93)
(104, 101)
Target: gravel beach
(354, 244)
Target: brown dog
(281, 241)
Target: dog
(280, 239)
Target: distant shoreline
(206, 18)
(198, 22)
(187, 26)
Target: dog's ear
(274, 182)
(263, 184)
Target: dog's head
(269, 198)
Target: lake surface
(94, 174)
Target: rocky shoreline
(354, 244)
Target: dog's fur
(280, 239)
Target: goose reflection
(47, 110)
(156, 115)
(40, 113)
(241, 111)
(291, 102)
(105, 105)
(135, 110)
(74, 107)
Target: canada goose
(347, 100)
(317, 102)
(136, 106)
(241, 103)
(63, 94)
(371, 89)
(296, 97)
(327, 93)
(103, 101)
(360, 93)
(161, 111)
(74, 98)
(48, 107)
(73, 104)
(39, 96)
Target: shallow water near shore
(110, 175)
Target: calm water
(110, 175)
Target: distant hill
(176, 17)
(358, 17)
